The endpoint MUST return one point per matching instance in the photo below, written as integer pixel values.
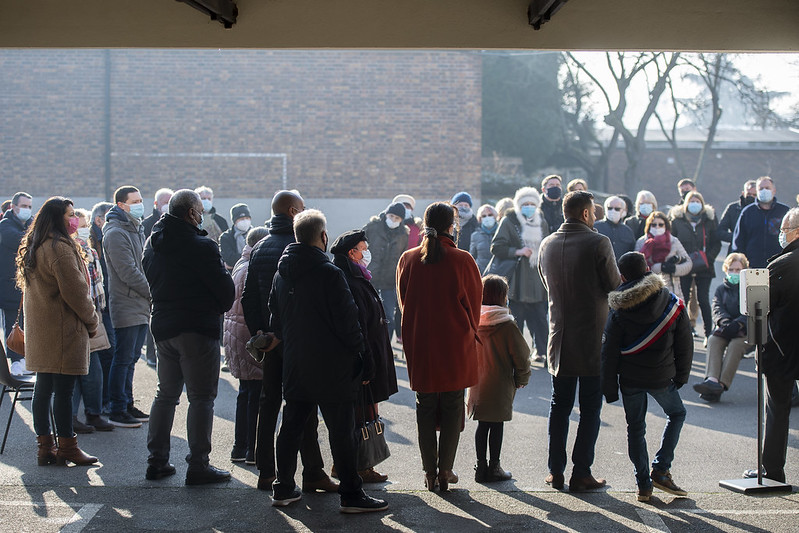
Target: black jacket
(228, 246)
(726, 306)
(730, 217)
(637, 224)
(703, 237)
(11, 231)
(386, 245)
(464, 236)
(634, 308)
(621, 236)
(261, 271)
(781, 352)
(314, 314)
(150, 221)
(189, 285)
(553, 212)
(378, 357)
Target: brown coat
(503, 365)
(59, 313)
(579, 269)
(440, 306)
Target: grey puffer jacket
(128, 291)
(480, 247)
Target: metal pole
(107, 123)
(760, 403)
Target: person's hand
(668, 267)
(526, 252)
(364, 382)
(675, 259)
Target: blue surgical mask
(24, 213)
(764, 196)
(528, 211)
(207, 205)
(782, 238)
(408, 214)
(734, 279)
(645, 209)
(695, 207)
(489, 222)
(137, 211)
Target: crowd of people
(610, 294)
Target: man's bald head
(287, 203)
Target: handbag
(16, 339)
(100, 341)
(699, 257)
(502, 267)
(370, 435)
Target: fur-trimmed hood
(633, 294)
(679, 212)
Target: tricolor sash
(673, 310)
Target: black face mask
(553, 193)
(749, 200)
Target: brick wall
(352, 124)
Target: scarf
(366, 274)
(531, 234)
(491, 315)
(655, 249)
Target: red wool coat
(440, 306)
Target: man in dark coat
(191, 289)
(233, 241)
(13, 225)
(316, 319)
(579, 269)
(255, 304)
(552, 201)
(160, 206)
(647, 349)
(781, 352)
(733, 211)
(612, 226)
(759, 225)
(467, 221)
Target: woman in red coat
(439, 292)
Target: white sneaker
(18, 368)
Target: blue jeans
(389, 298)
(90, 388)
(560, 408)
(129, 342)
(635, 404)
(107, 357)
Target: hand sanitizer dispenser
(754, 293)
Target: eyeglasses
(657, 225)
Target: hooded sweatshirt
(647, 342)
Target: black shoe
(280, 499)
(124, 420)
(265, 481)
(481, 472)
(249, 459)
(141, 416)
(711, 398)
(209, 475)
(709, 387)
(80, 428)
(99, 423)
(157, 472)
(496, 473)
(362, 504)
(238, 455)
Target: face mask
(164, 209)
(734, 279)
(683, 194)
(748, 200)
(202, 221)
(613, 216)
(657, 232)
(783, 239)
(764, 196)
(408, 214)
(528, 211)
(553, 193)
(84, 233)
(24, 213)
(464, 212)
(325, 242)
(392, 224)
(645, 209)
(207, 205)
(73, 225)
(694, 208)
(366, 259)
(489, 222)
(243, 224)
(137, 211)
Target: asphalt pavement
(718, 442)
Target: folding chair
(20, 386)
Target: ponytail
(438, 218)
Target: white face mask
(657, 232)
(764, 196)
(366, 259)
(24, 213)
(613, 216)
(489, 222)
(164, 209)
(392, 224)
(84, 233)
(243, 224)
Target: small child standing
(647, 350)
(503, 367)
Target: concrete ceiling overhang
(694, 25)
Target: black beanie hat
(238, 211)
(398, 209)
(347, 241)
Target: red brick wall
(353, 124)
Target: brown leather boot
(47, 450)
(68, 451)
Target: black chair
(20, 386)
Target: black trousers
(779, 389)
(340, 421)
(268, 411)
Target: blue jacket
(756, 233)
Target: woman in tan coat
(59, 319)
